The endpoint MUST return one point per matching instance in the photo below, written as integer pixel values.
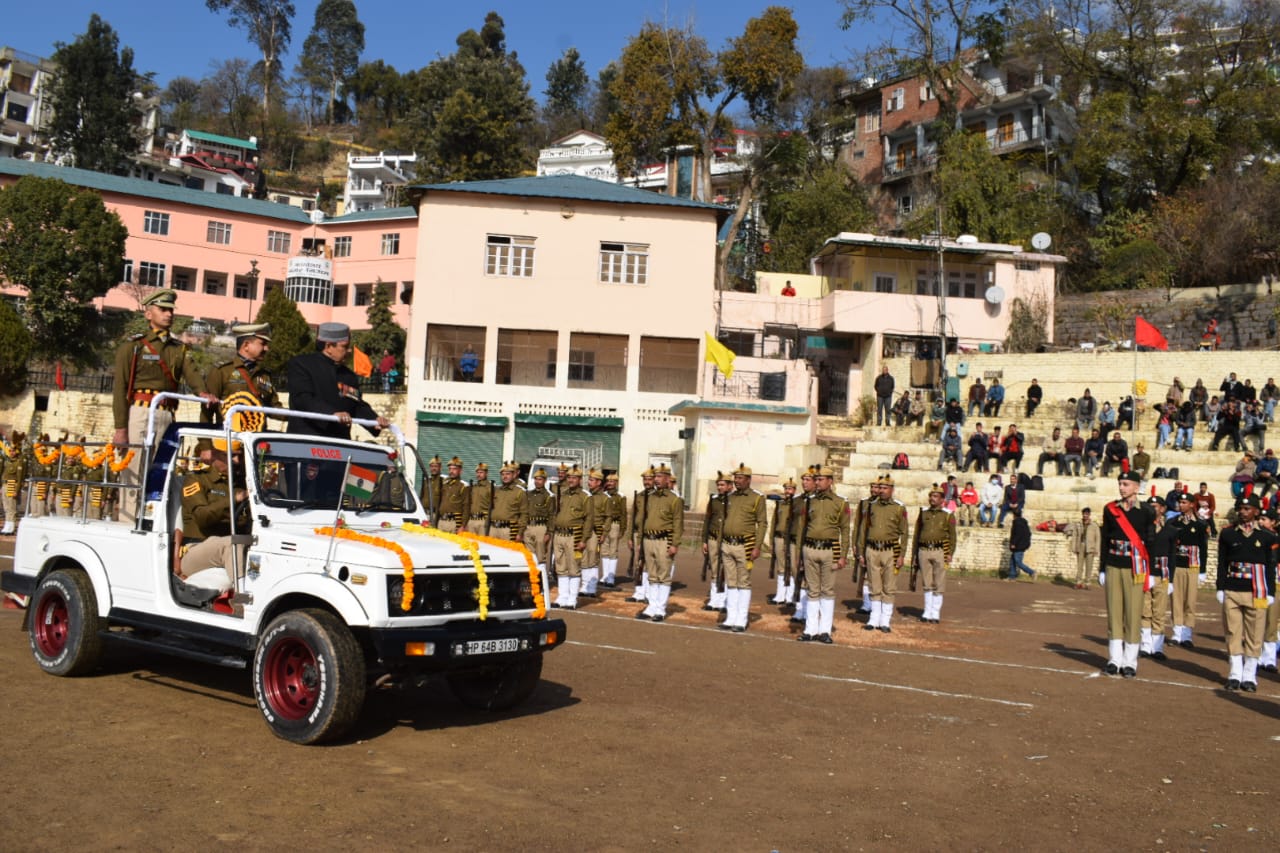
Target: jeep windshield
(301, 473)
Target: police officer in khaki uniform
(859, 557)
(784, 553)
(14, 473)
(807, 480)
(453, 499)
(146, 365)
(208, 500)
(510, 510)
(430, 493)
(713, 541)
(935, 543)
(639, 508)
(479, 501)
(663, 530)
(570, 526)
(884, 541)
(540, 507)
(616, 529)
(744, 531)
(595, 536)
(243, 376)
(825, 551)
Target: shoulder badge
(190, 490)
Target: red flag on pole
(58, 378)
(1147, 335)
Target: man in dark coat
(320, 382)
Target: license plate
(490, 647)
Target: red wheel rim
(51, 624)
(291, 679)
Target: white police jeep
(334, 582)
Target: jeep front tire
(308, 676)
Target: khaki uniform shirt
(540, 506)
(828, 519)
(934, 528)
(665, 514)
(510, 506)
(886, 522)
(154, 361)
(453, 495)
(618, 512)
(747, 518)
(206, 505)
(231, 377)
(479, 500)
(574, 515)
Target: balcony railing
(749, 385)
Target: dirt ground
(993, 729)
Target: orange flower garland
(45, 458)
(473, 551)
(71, 451)
(95, 460)
(406, 596)
(470, 541)
(118, 465)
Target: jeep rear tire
(64, 624)
(499, 686)
(308, 676)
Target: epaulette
(138, 337)
(896, 501)
(223, 364)
(947, 511)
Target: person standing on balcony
(884, 386)
(787, 289)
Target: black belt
(501, 523)
(539, 520)
(932, 544)
(564, 531)
(657, 534)
(734, 540)
(881, 546)
(480, 515)
(828, 544)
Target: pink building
(223, 253)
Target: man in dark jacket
(1019, 542)
(978, 452)
(320, 382)
(884, 396)
(1034, 395)
(1116, 453)
(1015, 501)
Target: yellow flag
(720, 355)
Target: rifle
(706, 535)
(639, 534)
(631, 567)
(915, 553)
(488, 516)
(720, 545)
(859, 552)
(786, 545)
(804, 529)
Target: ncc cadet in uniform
(783, 547)
(207, 500)
(1190, 564)
(1246, 585)
(38, 500)
(1127, 528)
(69, 475)
(146, 365)
(453, 499)
(663, 530)
(595, 536)
(825, 551)
(807, 480)
(430, 493)
(569, 527)
(479, 501)
(1271, 633)
(244, 378)
(14, 474)
(746, 522)
(883, 538)
(861, 515)
(1162, 551)
(540, 506)
(639, 508)
(713, 541)
(510, 505)
(934, 543)
(616, 529)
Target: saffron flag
(1147, 335)
(361, 363)
(719, 355)
(360, 482)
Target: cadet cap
(332, 333)
(662, 469)
(221, 444)
(789, 484)
(886, 480)
(647, 472)
(1131, 476)
(936, 489)
(1251, 500)
(252, 330)
(435, 459)
(1185, 496)
(455, 462)
(575, 471)
(825, 471)
(511, 466)
(595, 474)
(722, 477)
(161, 299)
(482, 467)
(540, 474)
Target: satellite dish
(994, 295)
(1041, 241)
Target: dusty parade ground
(993, 729)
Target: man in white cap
(321, 382)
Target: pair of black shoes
(1246, 686)
(1159, 656)
(816, 638)
(928, 620)
(737, 629)
(646, 617)
(710, 609)
(1111, 669)
(1128, 672)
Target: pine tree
(290, 334)
(383, 332)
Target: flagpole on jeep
(337, 516)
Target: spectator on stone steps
(1254, 425)
(884, 385)
(979, 452)
(937, 416)
(1073, 452)
(1115, 454)
(1014, 499)
(977, 397)
(1125, 414)
(1242, 480)
(1095, 448)
(1106, 418)
(1054, 450)
(1186, 426)
(1268, 396)
(950, 447)
(1198, 397)
(916, 416)
(1011, 449)
(1211, 411)
(995, 399)
(992, 494)
(968, 504)
(1086, 410)
(1034, 395)
(902, 409)
(1141, 462)
(1264, 476)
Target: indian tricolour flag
(360, 482)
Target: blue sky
(183, 38)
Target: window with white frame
(342, 247)
(624, 263)
(126, 274)
(390, 244)
(278, 241)
(151, 274)
(219, 232)
(509, 256)
(154, 222)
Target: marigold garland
(95, 460)
(71, 451)
(470, 543)
(119, 465)
(45, 458)
(406, 595)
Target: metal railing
(101, 382)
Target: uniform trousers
(1243, 624)
(216, 552)
(933, 569)
(1084, 567)
(567, 557)
(737, 571)
(1272, 631)
(1185, 586)
(447, 524)
(132, 475)
(535, 539)
(1155, 607)
(612, 537)
(476, 526)
(882, 573)
(1124, 605)
(657, 562)
(819, 572)
(10, 499)
(591, 551)
(784, 560)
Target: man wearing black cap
(1189, 566)
(244, 375)
(1163, 549)
(1246, 585)
(1127, 528)
(320, 382)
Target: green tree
(269, 24)
(470, 113)
(568, 95)
(62, 244)
(383, 332)
(15, 349)
(334, 46)
(827, 200)
(379, 93)
(603, 103)
(290, 334)
(180, 102)
(94, 110)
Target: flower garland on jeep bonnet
(406, 562)
(470, 542)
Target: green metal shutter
(471, 443)
(531, 436)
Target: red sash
(1141, 561)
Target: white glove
(1203, 577)
(1271, 599)
(1169, 589)
(1222, 596)
(1102, 578)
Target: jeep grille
(445, 594)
